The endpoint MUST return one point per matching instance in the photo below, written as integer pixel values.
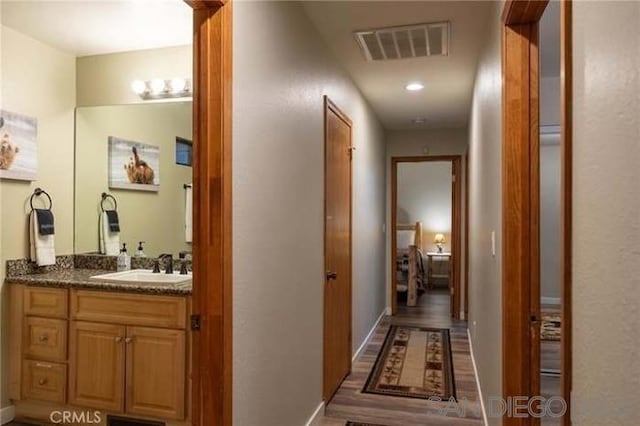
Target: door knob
(332, 275)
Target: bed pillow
(405, 238)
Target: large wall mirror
(138, 156)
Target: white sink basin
(144, 276)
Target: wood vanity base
(105, 352)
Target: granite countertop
(81, 279)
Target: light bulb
(178, 85)
(413, 87)
(157, 86)
(138, 87)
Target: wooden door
(96, 374)
(337, 290)
(155, 372)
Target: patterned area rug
(414, 362)
(550, 326)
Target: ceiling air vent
(408, 41)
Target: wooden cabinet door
(155, 372)
(96, 375)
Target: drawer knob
(43, 338)
(42, 382)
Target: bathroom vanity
(117, 347)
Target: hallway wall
(281, 72)
(485, 207)
(606, 212)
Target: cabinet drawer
(45, 381)
(46, 302)
(122, 308)
(45, 338)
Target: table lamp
(439, 240)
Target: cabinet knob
(118, 339)
(42, 382)
(128, 340)
(43, 338)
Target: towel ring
(36, 193)
(104, 198)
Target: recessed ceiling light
(414, 87)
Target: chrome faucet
(168, 263)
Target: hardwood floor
(349, 403)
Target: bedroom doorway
(426, 243)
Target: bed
(410, 270)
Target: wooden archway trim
(211, 399)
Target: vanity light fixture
(419, 121)
(414, 87)
(162, 89)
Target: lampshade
(439, 239)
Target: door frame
(211, 386)
(521, 197)
(456, 226)
(329, 105)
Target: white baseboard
(475, 372)
(550, 300)
(315, 418)
(366, 339)
(7, 414)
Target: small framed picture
(133, 165)
(18, 146)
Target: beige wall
(106, 79)
(606, 212)
(485, 215)
(154, 217)
(424, 195)
(416, 143)
(278, 181)
(38, 81)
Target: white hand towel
(188, 218)
(109, 241)
(43, 250)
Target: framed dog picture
(133, 165)
(18, 146)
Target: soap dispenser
(124, 260)
(140, 252)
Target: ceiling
(86, 28)
(446, 99)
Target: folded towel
(45, 221)
(188, 220)
(42, 245)
(114, 221)
(109, 240)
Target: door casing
(456, 222)
(521, 198)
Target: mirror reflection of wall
(156, 217)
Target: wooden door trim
(329, 105)
(566, 221)
(212, 378)
(466, 237)
(456, 243)
(521, 197)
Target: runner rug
(414, 362)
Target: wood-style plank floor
(349, 403)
